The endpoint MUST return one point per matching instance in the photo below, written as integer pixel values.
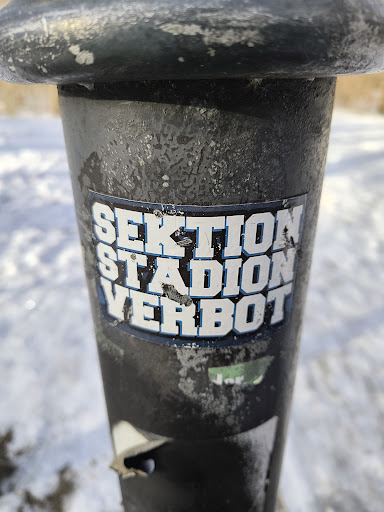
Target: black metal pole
(197, 194)
(197, 205)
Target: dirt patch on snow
(7, 467)
(53, 502)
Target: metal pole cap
(80, 41)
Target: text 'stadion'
(196, 275)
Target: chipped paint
(83, 57)
(193, 366)
(172, 294)
(225, 36)
(128, 442)
(45, 25)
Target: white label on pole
(196, 275)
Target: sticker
(196, 275)
(250, 372)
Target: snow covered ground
(54, 440)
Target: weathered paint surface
(205, 144)
(72, 41)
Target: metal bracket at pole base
(196, 139)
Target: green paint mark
(251, 372)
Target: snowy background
(54, 439)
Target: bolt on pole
(196, 139)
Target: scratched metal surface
(72, 41)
